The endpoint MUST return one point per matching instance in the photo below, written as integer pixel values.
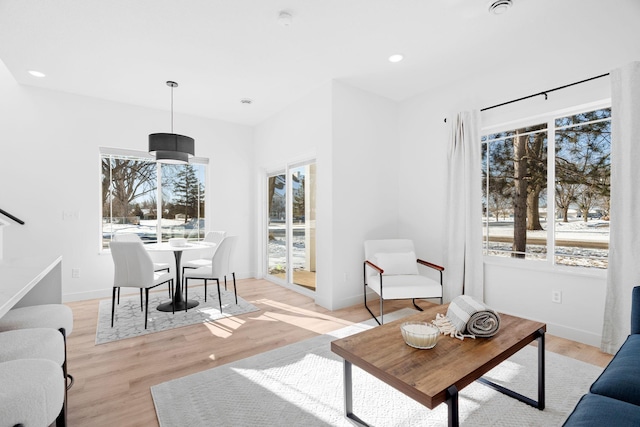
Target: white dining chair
(220, 268)
(134, 269)
(157, 266)
(212, 238)
(132, 237)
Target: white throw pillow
(397, 263)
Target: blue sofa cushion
(621, 378)
(635, 310)
(597, 411)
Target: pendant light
(171, 147)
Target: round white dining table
(178, 302)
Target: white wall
(49, 163)
(365, 184)
(352, 133)
(302, 131)
(424, 135)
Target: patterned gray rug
(129, 320)
(301, 385)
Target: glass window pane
(583, 170)
(128, 197)
(580, 118)
(303, 180)
(514, 193)
(182, 197)
(277, 236)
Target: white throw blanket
(467, 317)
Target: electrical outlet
(70, 215)
(346, 277)
(75, 273)
(556, 296)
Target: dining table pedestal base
(179, 305)
(178, 301)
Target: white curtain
(624, 239)
(463, 256)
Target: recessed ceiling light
(396, 58)
(37, 73)
(499, 7)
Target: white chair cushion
(161, 277)
(36, 343)
(160, 266)
(197, 263)
(200, 273)
(405, 286)
(32, 392)
(396, 263)
(38, 316)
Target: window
(153, 200)
(522, 217)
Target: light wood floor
(112, 380)
(304, 278)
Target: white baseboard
(573, 334)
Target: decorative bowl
(178, 242)
(420, 335)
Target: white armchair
(391, 269)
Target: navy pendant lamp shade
(171, 147)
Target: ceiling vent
(285, 19)
(499, 7)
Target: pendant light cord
(171, 108)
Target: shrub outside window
(522, 217)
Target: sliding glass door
(291, 225)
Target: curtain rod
(544, 92)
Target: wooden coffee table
(434, 376)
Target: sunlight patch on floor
(223, 328)
(298, 310)
(302, 318)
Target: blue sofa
(614, 398)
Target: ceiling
(221, 51)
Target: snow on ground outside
(574, 230)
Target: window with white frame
(155, 201)
(567, 224)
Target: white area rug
(301, 385)
(129, 320)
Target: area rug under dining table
(129, 319)
(302, 385)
